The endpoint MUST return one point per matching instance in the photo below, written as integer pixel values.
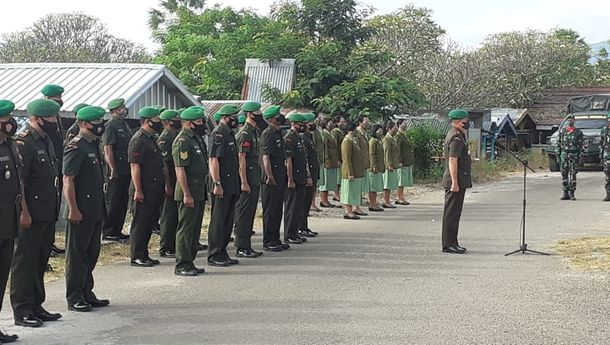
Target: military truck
(590, 113)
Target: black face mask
(466, 124)
(311, 127)
(97, 129)
(60, 102)
(300, 129)
(233, 123)
(572, 123)
(199, 129)
(281, 120)
(260, 122)
(176, 124)
(156, 126)
(50, 128)
(9, 128)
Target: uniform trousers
(83, 242)
(6, 255)
(272, 198)
(188, 233)
(294, 206)
(304, 223)
(454, 202)
(145, 217)
(117, 201)
(221, 225)
(245, 211)
(168, 224)
(29, 264)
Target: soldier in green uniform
(148, 182)
(405, 173)
(377, 167)
(118, 175)
(362, 135)
(41, 208)
(338, 133)
(604, 155)
(391, 156)
(84, 193)
(351, 173)
(250, 176)
(316, 131)
(297, 171)
(224, 174)
(569, 143)
(332, 163)
(10, 198)
(307, 139)
(456, 179)
(169, 213)
(191, 161)
(273, 152)
(73, 130)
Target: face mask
(156, 126)
(199, 129)
(311, 127)
(60, 102)
(300, 129)
(260, 122)
(125, 112)
(176, 124)
(233, 122)
(9, 128)
(281, 120)
(49, 127)
(97, 128)
(572, 123)
(466, 125)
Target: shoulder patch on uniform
(184, 155)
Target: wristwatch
(216, 183)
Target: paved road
(378, 281)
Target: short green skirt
(351, 192)
(328, 180)
(390, 180)
(375, 182)
(405, 176)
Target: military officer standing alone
(250, 176)
(84, 193)
(149, 183)
(273, 153)
(456, 179)
(10, 198)
(569, 142)
(39, 214)
(224, 174)
(604, 155)
(169, 213)
(191, 161)
(116, 141)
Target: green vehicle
(591, 114)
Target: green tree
(159, 18)
(69, 37)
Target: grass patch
(489, 171)
(587, 253)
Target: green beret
(192, 113)
(168, 115)
(148, 112)
(217, 116)
(296, 117)
(43, 108)
(228, 110)
(78, 107)
(90, 113)
(457, 114)
(251, 107)
(160, 107)
(272, 111)
(309, 117)
(52, 90)
(241, 119)
(116, 103)
(6, 107)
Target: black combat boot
(565, 196)
(607, 198)
(572, 195)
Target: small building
(543, 117)
(259, 74)
(96, 84)
(499, 130)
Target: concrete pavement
(382, 280)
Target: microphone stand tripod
(523, 247)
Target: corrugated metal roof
(278, 74)
(94, 84)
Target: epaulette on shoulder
(23, 133)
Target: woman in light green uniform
(377, 167)
(391, 155)
(352, 172)
(405, 173)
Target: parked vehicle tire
(553, 163)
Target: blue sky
(467, 22)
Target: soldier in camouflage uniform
(604, 155)
(570, 142)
